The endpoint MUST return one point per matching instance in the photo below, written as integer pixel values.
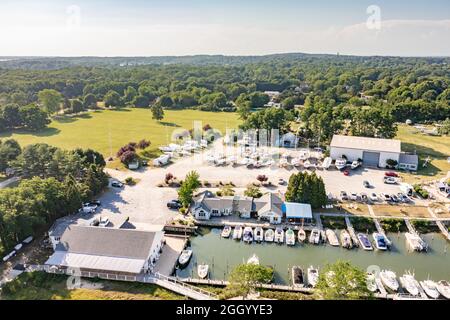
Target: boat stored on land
(226, 232)
(301, 235)
(444, 288)
(184, 258)
(248, 235)
(389, 279)
(314, 237)
(297, 276)
(279, 235)
(431, 288)
(380, 241)
(340, 163)
(364, 241)
(237, 233)
(332, 238)
(259, 234)
(202, 271)
(269, 235)
(290, 237)
(410, 284)
(313, 276)
(346, 239)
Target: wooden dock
(351, 231)
(378, 225)
(318, 219)
(410, 227)
(440, 224)
(223, 283)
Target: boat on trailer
(297, 276)
(269, 235)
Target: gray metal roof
(124, 243)
(364, 143)
(409, 158)
(269, 202)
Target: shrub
(168, 177)
(420, 191)
(127, 157)
(130, 181)
(143, 144)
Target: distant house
(126, 252)
(408, 162)
(206, 205)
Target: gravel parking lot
(145, 203)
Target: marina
(222, 254)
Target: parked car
(394, 198)
(386, 197)
(344, 196)
(174, 204)
(403, 197)
(117, 184)
(94, 203)
(103, 222)
(391, 174)
(366, 184)
(87, 208)
(94, 223)
(364, 197)
(346, 172)
(353, 196)
(281, 182)
(373, 197)
(390, 180)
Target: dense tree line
(309, 188)
(54, 183)
(340, 88)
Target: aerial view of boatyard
(229, 156)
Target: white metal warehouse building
(374, 152)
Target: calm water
(222, 254)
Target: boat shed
(107, 250)
(297, 211)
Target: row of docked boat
(410, 285)
(258, 234)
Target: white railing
(182, 284)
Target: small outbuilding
(297, 212)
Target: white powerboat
(380, 241)
(431, 288)
(237, 233)
(279, 235)
(389, 279)
(346, 239)
(253, 260)
(326, 163)
(248, 235)
(269, 235)
(259, 234)
(202, 271)
(416, 242)
(364, 241)
(340, 163)
(371, 283)
(226, 232)
(332, 238)
(301, 235)
(313, 276)
(184, 258)
(290, 237)
(314, 237)
(444, 288)
(409, 284)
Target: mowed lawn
(107, 130)
(437, 148)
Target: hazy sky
(183, 27)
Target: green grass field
(107, 130)
(437, 148)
